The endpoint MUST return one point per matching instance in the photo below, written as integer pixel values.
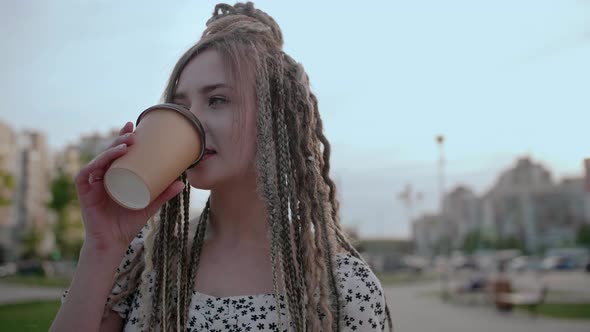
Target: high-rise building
(528, 205)
(68, 161)
(461, 209)
(429, 232)
(525, 206)
(91, 145)
(33, 188)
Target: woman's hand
(109, 226)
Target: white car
(7, 269)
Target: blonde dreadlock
(293, 165)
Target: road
(416, 309)
(11, 293)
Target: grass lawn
(28, 316)
(401, 278)
(37, 281)
(565, 311)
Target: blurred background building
(29, 176)
(525, 209)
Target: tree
(63, 191)
(7, 184)
(31, 241)
(583, 235)
(510, 242)
(63, 200)
(471, 242)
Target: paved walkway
(12, 293)
(413, 310)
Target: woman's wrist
(95, 253)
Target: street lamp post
(445, 236)
(440, 140)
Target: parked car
(558, 263)
(30, 267)
(518, 264)
(7, 269)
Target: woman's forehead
(204, 70)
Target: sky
(499, 79)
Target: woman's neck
(238, 216)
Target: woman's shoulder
(361, 294)
(122, 297)
(355, 273)
(134, 250)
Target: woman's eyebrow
(212, 87)
(205, 89)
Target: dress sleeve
(118, 303)
(361, 296)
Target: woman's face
(208, 88)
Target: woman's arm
(90, 287)
(109, 228)
(112, 322)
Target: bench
(530, 298)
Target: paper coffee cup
(168, 140)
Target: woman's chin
(199, 181)
(200, 184)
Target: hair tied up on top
(223, 11)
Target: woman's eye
(217, 100)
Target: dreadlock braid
(318, 218)
(195, 254)
(284, 170)
(342, 238)
(306, 246)
(325, 167)
(328, 219)
(159, 253)
(297, 236)
(172, 254)
(179, 264)
(324, 164)
(145, 290)
(265, 141)
(132, 274)
(313, 181)
(184, 294)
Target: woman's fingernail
(121, 146)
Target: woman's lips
(208, 154)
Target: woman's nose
(198, 112)
(201, 116)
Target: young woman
(268, 252)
